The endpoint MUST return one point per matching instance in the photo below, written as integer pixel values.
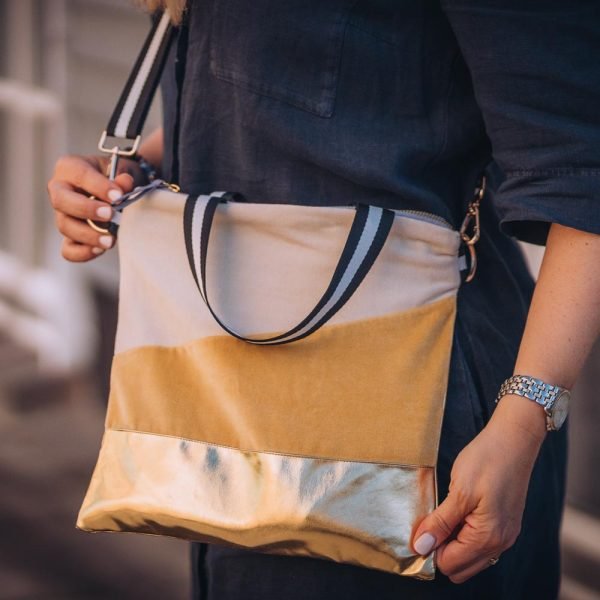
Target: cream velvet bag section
(324, 447)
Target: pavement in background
(49, 439)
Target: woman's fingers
(473, 549)
(79, 252)
(465, 537)
(65, 200)
(481, 516)
(479, 565)
(75, 179)
(80, 173)
(80, 232)
(439, 525)
(125, 181)
(478, 540)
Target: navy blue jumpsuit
(402, 103)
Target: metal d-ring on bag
(317, 439)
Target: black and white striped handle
(368, 233)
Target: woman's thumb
(125, 182)
(437, 526)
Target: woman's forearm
(481, 516)
(563, 321)
(152, 148)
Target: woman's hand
(75, 178)
(481, 516)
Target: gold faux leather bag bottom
(325, 447)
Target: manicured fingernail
(106, 241)
(104, 212)
(424, 544)
(114, 194)
(97, 250)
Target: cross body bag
(280, 371)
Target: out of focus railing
(43, 307)
(61, 66)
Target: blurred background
(62, 65)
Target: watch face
(560, 410)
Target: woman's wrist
(151, 171)
(521, 418)
(152, 150)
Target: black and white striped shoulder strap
(129, 115)
(368, 233)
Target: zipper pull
(137, 193)
(471, 222)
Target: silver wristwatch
(554, 399)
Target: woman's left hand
(481, 516)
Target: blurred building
(62, 64)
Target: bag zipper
(426, 217)
(471, 219)
(140, 191)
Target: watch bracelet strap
(531, 388)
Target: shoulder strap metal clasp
(470, 230)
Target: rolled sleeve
(536, 75)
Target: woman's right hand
(74, 180)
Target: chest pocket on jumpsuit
(289, 50)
